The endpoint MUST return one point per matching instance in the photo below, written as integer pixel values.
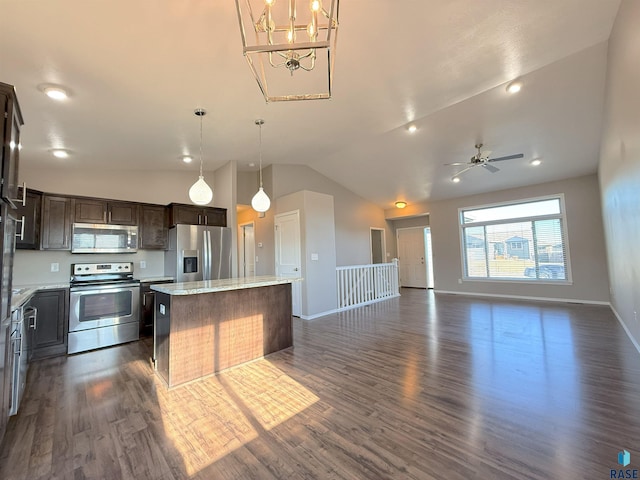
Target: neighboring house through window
(519, 241)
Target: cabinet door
(186, 215)
(122, 213)
(11, 123)
(90, 211)
(49, 337)
(56, 222)
(154, 233)
(215, 217)
(28, 227)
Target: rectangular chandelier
(290, 46)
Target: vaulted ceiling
(136, 70)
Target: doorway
(288, 260)
(247, 250)
(378, 247)
(415, 257)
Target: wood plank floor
(420, 387)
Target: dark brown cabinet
(11, 123)
(154, 227)
(56, 222)
(29, 219)
(89, 210)
(147, 298)
(193, 215)
(49, 330)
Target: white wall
(353, 214)
(584, 230)
(317, 236)
(620, 166)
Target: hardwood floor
(420, 387)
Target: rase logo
(624, 459)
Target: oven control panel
(96, 268)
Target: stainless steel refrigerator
(198, 252)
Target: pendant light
(260, 201)
(200, 193)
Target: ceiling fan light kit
(281, 38)
(481, 159)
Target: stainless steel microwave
(99, 238)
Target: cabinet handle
(21, 234)
(33, 316)
(199, 219)
(206, 219)
(22, 200)
(109, 216)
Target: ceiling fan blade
(458, 163)
(491, 168)
(508, 157)
(463, 170)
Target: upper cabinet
(154, 225)
(193, 215)
(89, 210)
(11, 123)
(57, 217)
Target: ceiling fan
(481, 159)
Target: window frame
(562, 216)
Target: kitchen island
(204, 327)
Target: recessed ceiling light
(455, 179)
(186, 158)
(412, 128)
(401, 204)
(514, 87)
(60, 153)
(55, 93)
(535, 162)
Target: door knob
(295, 269)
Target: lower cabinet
(49, 337)
(147, 298)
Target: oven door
(102, 306)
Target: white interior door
(247, 256)
(411, 257)
(288, 260)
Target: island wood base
(201, 334)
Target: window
(523, 241)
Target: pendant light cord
(260, 125)
(201, 144)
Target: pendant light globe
(200, 192)
(260, 201)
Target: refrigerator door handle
(207, 256)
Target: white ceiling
(137, 70)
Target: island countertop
(223, 285)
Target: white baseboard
(522, 297)
(337, 310)
(624, 326)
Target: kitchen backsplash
(34, 267)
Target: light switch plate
(314, 256)
(143, 264)
(55, 267)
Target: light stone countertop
(21, 294)
(223, 285)
(154, 279)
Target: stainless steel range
(104, 305)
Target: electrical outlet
(143, 264)
(459, 280)
(55, 267)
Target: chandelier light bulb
(200, 193)
(260, 201)
(316, 5)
